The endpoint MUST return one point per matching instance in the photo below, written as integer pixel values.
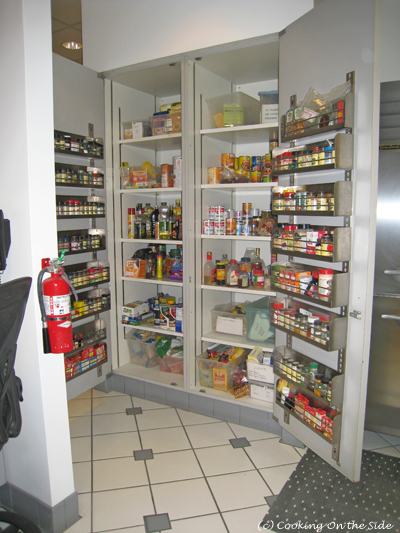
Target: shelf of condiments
(80, 206)
(149, 177)
(155, 263)
(323, 329)
(81, 241)
(249, 271)
(326, 287)
(85, 274)
(243, 169)
(85, 360)
(90, 303)
(70, 143)
(153, 222)
(329, 199)
(161, 311)
(326, 243)
(247, 222)
(77, 176)
(87, 335)
(324, 155)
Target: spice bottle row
(90, 206)
(80, 243)
(91, 274)
(87, 176)
(91, 304)
(303, 238)
(298, 198)
(301, 406)
(78, 145)
(153, 222)
(85, 359)
(243, 169)
(315, 155)
(88, 337)
(248, 221)
(249, 271)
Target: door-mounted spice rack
(326, 287)
(324, 243)
(87, 335)
(83, 275)
(315, 326)
(80, 207)
(81, 241)
(325, 199)
(90, 303)
(67, 175)
(77, 145)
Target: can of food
(236, 163)
(219, 213)
(256, 177)
(237, 215)
(246, 208)
(246, 228)
(238, 227)
(256, 160)
(245, 162)
(243, 172)
(230, 226)
(208, 227)
(211, 212)
(219, 228)
(266, 174)
(214, 175)
(228, 160)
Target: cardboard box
(258, 391)
(260, 372)
(135, 309)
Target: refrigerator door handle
(391, 317)
(394, 273)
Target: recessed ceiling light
(71, 45)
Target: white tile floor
(196, 476)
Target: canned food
(256, 177)
(219, 213)
(237, 215)
(214, 175)
(245, 162)
(246, 208)
(228, 160)
(238, 227)
(219, 228)
(230, 226)
(208, 227)
(246, 227)
(211, 212)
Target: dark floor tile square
(142, 455)
(241, 442)
(134, 411)
(156, 522)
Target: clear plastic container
(258, 323)
(233, 109)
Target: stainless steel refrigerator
(383, 396)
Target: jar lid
(326, 271)
(277, 305)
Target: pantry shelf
(246, 186)
(151, 375)
(242, 134)
(151, 241)
(248, 290)
(236, 237)
(78, 374)
(153, 190)
(155, 281)
(154, 329)
(238, 340)
(171, 141)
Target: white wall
(38, 461)
(123, 32)
(390, 43)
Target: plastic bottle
(156, 312)
(209, 270)
(163, 219)
(159, 266)
(232, 274)
(154, 224)
(148, 213)
(243, 279)
(258, 259)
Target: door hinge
(356, 314)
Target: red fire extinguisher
(55, 306)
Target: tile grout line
(202, 471)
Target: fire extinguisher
(55, 306)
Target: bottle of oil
(209, 270)
(164, 222)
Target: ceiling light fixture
(71, 45)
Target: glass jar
(318, 384)
(325, 333)
(311, 326)
(278, 202)
(327, 245)
(300, 369)
(220, 273)
(324, 388)
(297, 318)
(303, 326)
(315, 156)
(317, 330)
(312, 201)
(322, 201)
(284, 360)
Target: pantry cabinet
(318, 51)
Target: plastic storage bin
(174, 365)
(225, 320)
(159, 123)
(137, 178)
(233, 109)
(135, 129)
(143, 353)
(217, 375)
(258, 328)
(269, 106)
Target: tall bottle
(148, 212)
(232, 274)
(154, 224)
(140, 226)
(209, 270)
(164, 219)
(131, 222)
(258, 259)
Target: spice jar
(303, 326)
(220, 273)
(327, 245)
(325, 279)
(317, 384)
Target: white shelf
(155, 281)
(236, 237)
(152, 375)
(246, 186)
(156, 142)
(153, 241)
(227, 396)
(154, 329)
(248, 290)
(153, 190)
(238, 340)
(248, 134)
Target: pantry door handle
(391, 317)
(392, 272)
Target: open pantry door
(333, 43)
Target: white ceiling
(66, 26)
